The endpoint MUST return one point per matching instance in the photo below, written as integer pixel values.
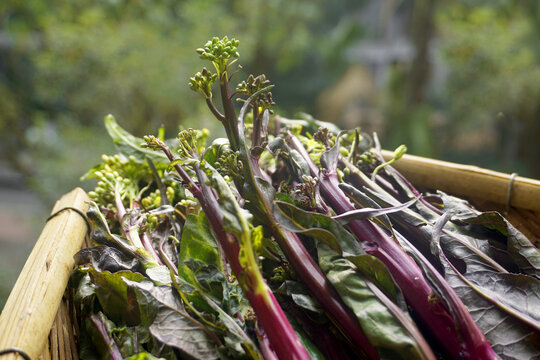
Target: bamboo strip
(31, 308)
(468, 180)
(55, 347)
(71, 347)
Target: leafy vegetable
(291, 239)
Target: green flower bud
(400, 151)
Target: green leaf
(160, 275)
(235, 218)
(308, 343)
(266, 189)
(329, 231)
(97, 342)
(321, 227)
(113, 296)
(90, 173)
(197, 244)
(174, 329)
(209, 279)
(172, 325)
(309, 124)
(130, 339)
(329, 159)
(85, 289)
(237, 341)
(388, 331)
(363, 200)
(130, 145)
(517, 294)
(106, 258)
(300, 295)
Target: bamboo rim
(31, 308)
(508, 190)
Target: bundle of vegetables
(291, 239)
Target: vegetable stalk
(269, 314)
(250, 189)
(409, 277)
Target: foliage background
(469, 91)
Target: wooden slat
(30, 310)
(467, 180)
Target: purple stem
(405, 271)
(269, 313)
(264, 345)
(111, 344)
(307, 269)
(147, 244)
(166, 258)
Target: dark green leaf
(329, 159)
(300, 295)
(494, 299)
(517, 294)
(85, 289)
(266, 189)
(311, 345)
(234, 217)
(238, 343)
(329, 231)
(309, 124)
(150, 297)
(363, 200)
(113, 295)
(172, 325)
(98, 328)
(130, 339)
(197, 244)
(105, 258)
(520, 249)
(508, 336)
(175, 329)
(209, 278)
(320, 226)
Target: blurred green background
(455, 80)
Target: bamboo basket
(40, 318)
